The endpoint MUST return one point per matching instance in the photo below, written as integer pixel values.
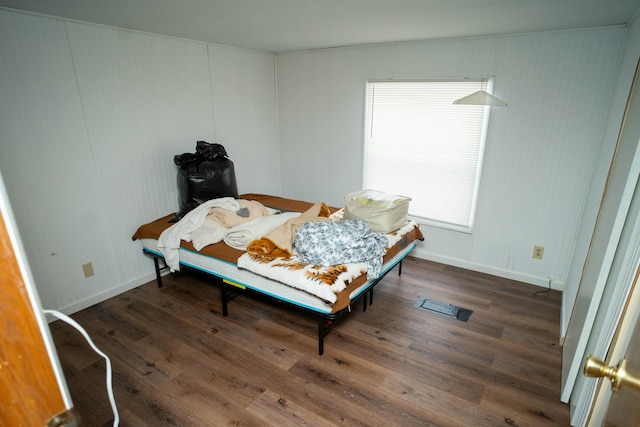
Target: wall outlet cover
(87, 269)
(538, 252)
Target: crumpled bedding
(248, 211)
(324, 282)
(240, 236)
(341, 242)
(279, 242)
(208, 223)
(169, 240)
(221, 221)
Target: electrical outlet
(87, 269)
(538, 251)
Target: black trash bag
(204, 151)
(207, 174)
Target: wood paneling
(177, 361)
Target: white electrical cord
(70, 321)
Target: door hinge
(68, 418)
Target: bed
(234, 271)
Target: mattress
(244, 279)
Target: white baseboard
(511, 275)
(533, 280)
(105, 295)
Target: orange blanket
(278, 243)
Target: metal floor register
(444, 309)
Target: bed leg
(400, 268)
(156, 264)
(323, 328)
(223, 298)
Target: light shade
(481, 98)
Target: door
(597, 270)
(621, 408)
(33, 391)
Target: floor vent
(443, 308)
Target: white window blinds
(419, 144)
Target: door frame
(624, 332)
(594, 319)
(32, 376)
(615, 319)
(612, 281)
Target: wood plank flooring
(178, 362)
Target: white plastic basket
(382, 212)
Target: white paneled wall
(45, 159)
(321, 116)
(540, 150)
(145, 98)
(242, 85)
(90, 120)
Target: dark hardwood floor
(178, 362)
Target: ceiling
(286, 25)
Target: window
(418, 144)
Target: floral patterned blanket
(323, 281)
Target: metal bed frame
(229, 290)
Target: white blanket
(240, 236)
(210, 232)
(169, 240)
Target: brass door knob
(618, 375)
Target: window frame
(482, 83)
